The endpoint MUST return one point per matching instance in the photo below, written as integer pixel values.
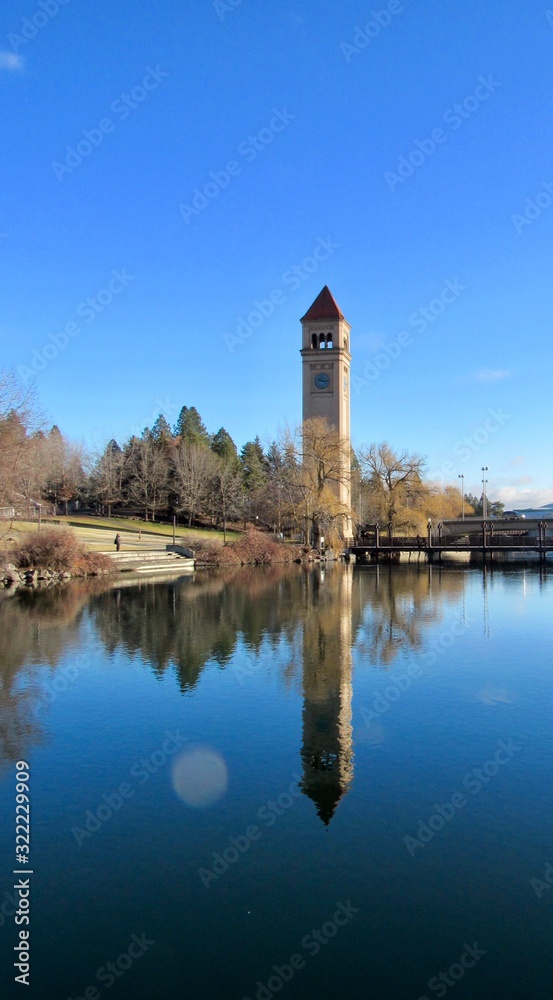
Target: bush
(256, 547)
(253, 548)
(61, 552)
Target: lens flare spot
(200, 777)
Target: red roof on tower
(324, 307)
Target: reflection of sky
(492, 683)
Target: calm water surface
(307, 783)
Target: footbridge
(460, 540)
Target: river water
(286, 781)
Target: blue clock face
(322, 380)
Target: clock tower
(326, 362)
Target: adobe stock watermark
(165, 407)
(399, 684)
(474, 781)
(88, 311)
(467, 446)
(378, 20)
(107, 975)
(63, 679)
(292, 278)
(264, 658)
(440, 984)
(420, 320)
(533, 208)
(541, 885)
(454, 118)
(31, 26)
(267, 815)
(248, 150)
(140, 773)
(224, 7)
(312, 943)
(121, 107)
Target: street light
(462, 478)
(484, 498)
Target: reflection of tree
(316, 616)
(398, 605)
(186, 623)
(35, 628)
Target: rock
(10, 575)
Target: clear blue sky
(313, 106)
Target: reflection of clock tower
(326, 362)
(327, 749)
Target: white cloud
(11, 61)
(516, 498)
(491, 375)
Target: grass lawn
(146, 527)
(98, 532)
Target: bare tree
(18, 419)
(106, 479)
(227, 494)
(313, 470)
(65, 474)
(146, 475)
(194, 469)
(392, 485)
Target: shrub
(61, 552)
(256, 547)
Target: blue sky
(168, 168)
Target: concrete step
(152, 561)
(184, 566)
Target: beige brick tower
(326, 361)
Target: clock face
(322, 380)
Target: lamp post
(462, 478)
(484, 498)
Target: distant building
(539, 513)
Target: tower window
(329, 343)
(322, 341)
(314, 340)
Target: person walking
(117, 541)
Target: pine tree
(223, 446)
(254, 466)
(190, 427)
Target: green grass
(146, 527)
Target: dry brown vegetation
(253, 548)
(60, 551)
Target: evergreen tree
(254, 466)
(190, 428)
(223, 446)
(161, 432)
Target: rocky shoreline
(11, 576)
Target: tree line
(289, 485)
